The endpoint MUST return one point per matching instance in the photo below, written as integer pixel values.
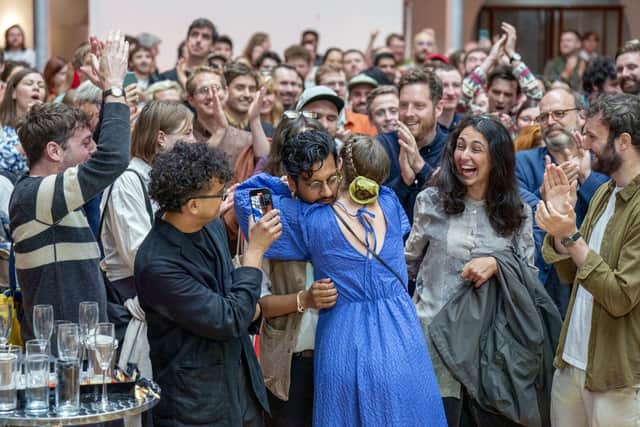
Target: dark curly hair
(302, 151)
(286, 129)
(504, 206)
(184, 171)
(597, 72)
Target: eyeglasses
(292, 115)
(555, 114)
(223, 196)
(204, 90)
(317, 186)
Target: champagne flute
(6, 322)
(87, 319)
(43, 322)
(104, 346)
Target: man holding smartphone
(199, 309)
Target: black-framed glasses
(555, 114)
(292, 115)
(222, 196)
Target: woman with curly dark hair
(474, 208)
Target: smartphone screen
(129, 79)
(261, 203)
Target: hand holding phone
(261, 203)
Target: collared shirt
(613, 279)
(430, 153)
(359, 123)
(126, 221)
(238, 124)
(233, 142)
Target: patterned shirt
(477, 79)
(10, 158)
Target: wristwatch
(571, 240)
(113, 91)
(515, 57)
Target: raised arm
(291, 244)
(79, 184)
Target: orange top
(359, 123)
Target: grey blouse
(451, 242)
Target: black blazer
(198, 320)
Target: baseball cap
(317, 93)
(362, 79)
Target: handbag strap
(375, 255)
(147, 201)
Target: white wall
(342, 23)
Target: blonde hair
(161, 86)
(276, 112)
(363, 155)
(191, 86)
(156, 116)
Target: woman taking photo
(371, 364)
(474, 208)
(24, 89)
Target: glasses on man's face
(223, 196)
(555, 114)
(318, 186)
(205, 90)
(292, 115)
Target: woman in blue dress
(372, 366)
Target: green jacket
(555, 67)
(613, 278)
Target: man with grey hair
(88, 98)
(598, 369)
(559, 120)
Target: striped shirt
(57, 257)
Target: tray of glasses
(121, 405)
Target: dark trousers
(298, 410)
(466, 412)
(252, 414)
(117, 293)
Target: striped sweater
(57, 257)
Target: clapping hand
(108, 60)
(556, 214)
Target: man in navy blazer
(198, 308)
(559, 120)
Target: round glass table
(122, 406)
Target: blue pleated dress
(372, 366)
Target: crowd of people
(453, 238)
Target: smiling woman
(25, 88)
(474, 209)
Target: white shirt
(27, 55)
(307, 333)
(576, 348)
(126, 222)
